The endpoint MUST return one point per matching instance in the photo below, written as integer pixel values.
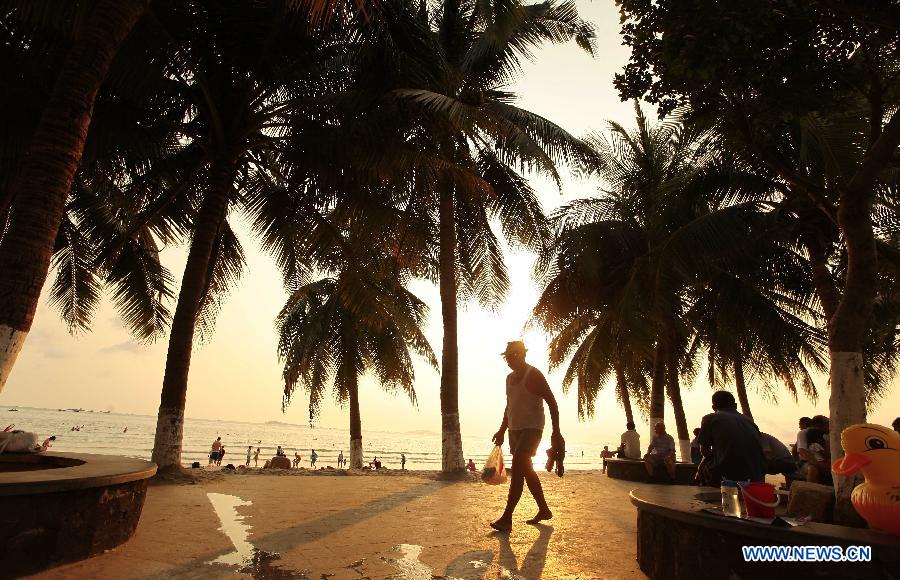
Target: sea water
(104, 433)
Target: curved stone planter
(634, 470)
(62, 507)
(675, 540)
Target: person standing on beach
(214, 452)
(221, 455)
(341, 459)
(403, 461)
(312, 459)
(256, 458)
(526, 392)
(249, 450)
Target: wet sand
(390, 525)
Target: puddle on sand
(233, 526)
(253, 561)
(408, 563)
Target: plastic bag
(494, 472)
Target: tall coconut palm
(37, 193)
(445, 105)
(337, 329)
(32, 202)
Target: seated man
(818, 455)
(661, 452)
(630, 447)
(730, 444)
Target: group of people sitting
(729, 445)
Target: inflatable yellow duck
(876, 451)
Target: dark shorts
(525, 441)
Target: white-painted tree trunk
(356, 454)
(684, 450)
(169, 436)
(451, 444)
(11, 341)
(847, 406)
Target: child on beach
(341, 459)
(312, 459)
(249, 450)
(256, 458)
(221, 455)
(296, 461)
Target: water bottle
(731, 503)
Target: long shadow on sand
(475, 565)
(294, 536)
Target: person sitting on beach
(214, 452)
(256, 458)
(630, 446)
(220, 456)
(804, 424)
(312, 459)
(471, 466)
(48, 442)
(818, 455)
(279, 452)
(696, 456)
(730, 444)
(249, 452)
(661, 451)
(297, 459)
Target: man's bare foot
(541, 516)
(502, 525)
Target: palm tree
(37, 193)
(451, 121)
(32, 202)
(337, 329)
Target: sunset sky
(236, 376)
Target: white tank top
(524, 409)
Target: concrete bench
(677, 540)
(634, 470)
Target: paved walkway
(373, 526)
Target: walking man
(526, 391)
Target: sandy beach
(385, 525)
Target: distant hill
(421, 432)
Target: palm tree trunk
(356, 447)
(622, 393)
(658, 386)
(674, 389)
(741, 386)
(821, 277)
(209, 220)
(848, 327)
(451, 437)
(39, 190)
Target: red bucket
(760, 499)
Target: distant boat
(12, 410)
